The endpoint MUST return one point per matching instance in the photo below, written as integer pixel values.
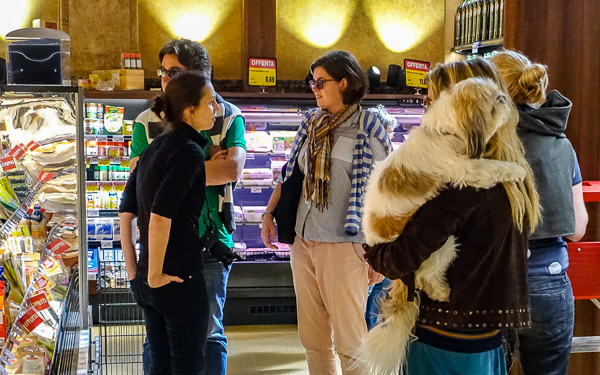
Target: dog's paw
(485, 173)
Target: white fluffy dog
(446, 150)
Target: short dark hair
(343, 64)
(184, 90)
(190, 54)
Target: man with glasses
(225, 157)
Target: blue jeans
(376, 293)
(545, 348)
(215, 278)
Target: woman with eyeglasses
(335, 150)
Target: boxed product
(257, 173)
(113, 120)
(282, 140)
(259, 141)
(104, 230)
(116, 223)
(253, 214)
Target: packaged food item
(38, 223)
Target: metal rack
(121, 322)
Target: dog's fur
(446, 149)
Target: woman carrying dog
(545, 348)
(453, 228)
(335, 149)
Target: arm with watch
(268, 232)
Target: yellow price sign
(119, 186)
(124, 163)
(262, 72)
(106, 186)
(416, 71)
(104, 162)
(91, 186)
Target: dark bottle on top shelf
(496, 19)
(477, 21)
(470, 22)
(492, 9)
(463, 23)
(485, 19)
(501, 23)
(457, 26)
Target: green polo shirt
(233, 138)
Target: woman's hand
(162, 280)
(268, 233)
(374, 276)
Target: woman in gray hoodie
(545, 348)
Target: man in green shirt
(225, 157)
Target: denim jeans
(176, 317)
(545, 348)
(376, 293)
(215, 278)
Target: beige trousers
(331, 286)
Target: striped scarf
(320, 139)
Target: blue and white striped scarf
(362, 159)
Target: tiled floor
(260, 350)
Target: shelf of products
(41, 174)
(479, 27)
(270, 131)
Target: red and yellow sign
(262, 72)
(416, 71)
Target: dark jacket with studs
(488, 278)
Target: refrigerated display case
(43, 314)
(260, 288)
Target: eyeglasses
(170, 73)
(318, 83)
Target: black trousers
(176, 318)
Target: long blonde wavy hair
(526, 81)
(504, 145)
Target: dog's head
(470, 111)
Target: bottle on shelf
(501, 22)
(38, 223)
(477, 21)
(485, 18)
(463, 23)
(457, 25)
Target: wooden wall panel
(564, 35)
(259, 35)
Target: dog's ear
(474, 103)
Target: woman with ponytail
(545, 348)
(166, 193)
(457, 255)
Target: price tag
(416, 71)
(125, 163)
(58, 246)
(51, 266)
(32, 146)
(30, 320)
(91, 187)
(106, 186)
(119, 186)
(115, 160)
(39, 302)
(104, 162)
(93, 213)
(8, 163)
(476, 46)
(102, 138)
(118, 138)
(262, 72)
(87, 162)
(106, 244)
(46, 176)
(94, 160)
(255, 190)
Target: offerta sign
(262, 72)
(416, 71)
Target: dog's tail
(384, 348)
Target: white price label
(93, 213)
(118, 138)
(106, 244)
(255, 190)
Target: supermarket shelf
(481, 47)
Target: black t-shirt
(170, 181)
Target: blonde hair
(504, 145)
(526, 81)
